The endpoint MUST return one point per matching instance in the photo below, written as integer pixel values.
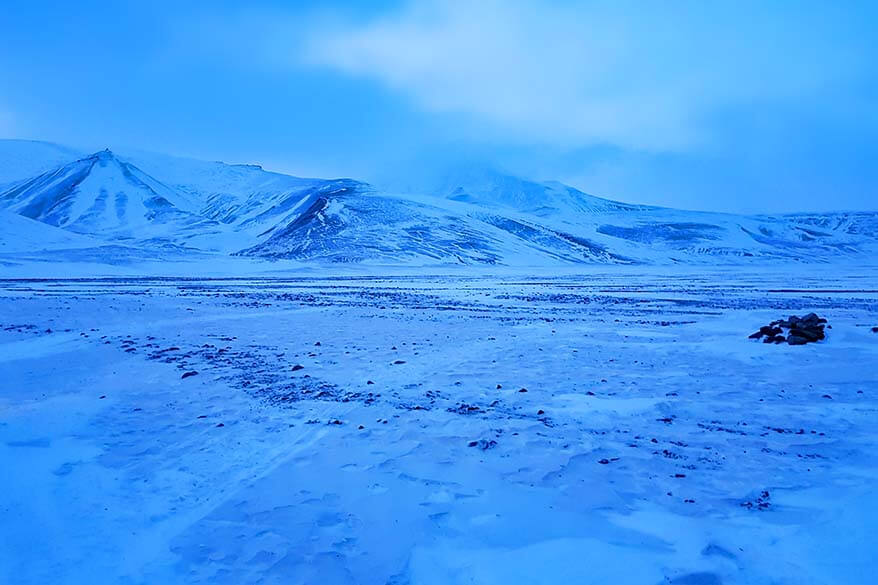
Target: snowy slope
(23, 159)
(241, 195)
(474, 216)
(21, 234)
(103, 196)
(485, 186)
(658, 235)
(354, 224)
(350, 223)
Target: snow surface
(21, 234)
(23, 159)
(655, 443)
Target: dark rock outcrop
(799, 330)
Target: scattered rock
(189, 374)
(297, 367)
(760, 502)
(767, 330)
(809, 334)
(483, 444)
(800, 330)
(464, 408)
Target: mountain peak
(104, 155)
(471, 214)
(101, 194)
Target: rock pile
(800, 330)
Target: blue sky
(733, 106)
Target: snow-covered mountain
(21, 234)
(479, 217)
(351, 223)
(488, 187)
(22, 159)
(239, 195)
(104, 196)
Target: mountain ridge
(159, 201)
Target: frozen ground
(654, 442)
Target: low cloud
(647, 76)
(7, 124)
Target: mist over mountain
(470, 215)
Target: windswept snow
(604, 427)
(484, 186)
(23, 159)
(20, 234)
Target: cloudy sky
(733, 106)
